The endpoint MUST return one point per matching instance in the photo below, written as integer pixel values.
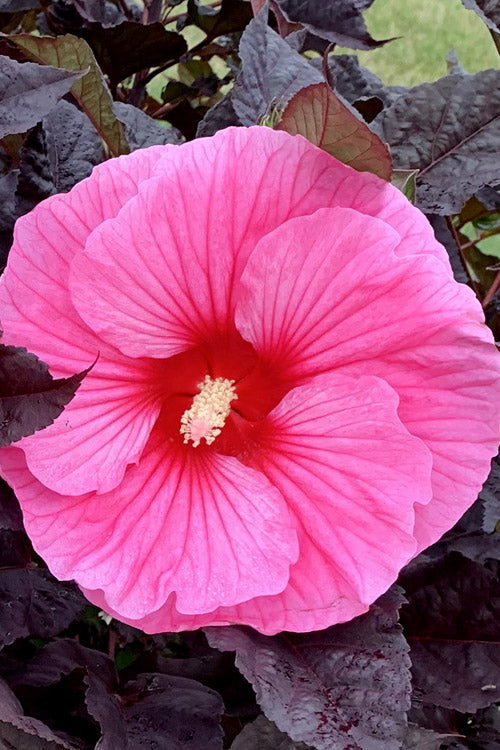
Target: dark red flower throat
(258, 383)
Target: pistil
(209, 411)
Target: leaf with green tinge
(30, 399)
(344, 687)
(90, 91)
(29, 91)
(318, 114)
(450, 131)
(404, 180)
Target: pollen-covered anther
(209, 411)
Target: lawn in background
(428, 28)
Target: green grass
(428, 28)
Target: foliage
(82, 81)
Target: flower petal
(198, 524)
(163, 273)
(351, 474)
(336, 296)
(107, 424)
(45, 241)
(449, 388)
(322, 290)
(101, 431)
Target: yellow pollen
(209, 411)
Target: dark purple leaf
(222, 115)
(141, 130)
(103, 12)
(468, 538)
(129, 47)
(417, 738)
(271, 72)
(490, 197)
(30, 399)
(263, 734)
(90, 91)
(232, 16)
(20, 732)
(172, 712)
(487, 10)
(14, 6)
(28, 92)
(73, 146)
(346, 687)
(60, 658)
(369, 107)
(449, 130)
(34, 183)
(14, 550)
(33, 603)
(490, 496)
(451, 623)
(339, 21)
(105, 708)
(438, 719)
(62, 150)
(454, 66)
(10, 513)
(352, 81)
(446, 238)
(8, 186)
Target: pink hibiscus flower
(292, 396)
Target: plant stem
(128, 13)
(451, 227)
(491, 291)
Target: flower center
(209, 411)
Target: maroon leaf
(318, 114)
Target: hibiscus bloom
(292, 395)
